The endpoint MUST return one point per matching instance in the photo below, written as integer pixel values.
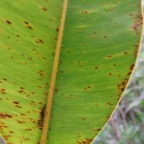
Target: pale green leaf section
(28, 35)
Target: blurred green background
(127, 123)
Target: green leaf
(77, 54)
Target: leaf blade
(98, 37)
(93, 71)
(28, 38)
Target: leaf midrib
(53, 76)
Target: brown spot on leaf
(8, 22)
(138, 23)
(27, 23)
(56, 90)
(122, 85)
(136, 50)
(21, 88)
(42, 114)
(46, 93)
(131, 14)
(4, 79)
(44, 9)
(82, 44)
(44, 58)
(2, 125)
(129, 73)
(125, 53)
(83, 118)
(25, 139)
(99, 129)
(108, 103)
(30, 58)
(18, 35)
(2, 90)
(39, 41)
(20, 91)
(109, 56)
(87, 88)
(16, 102)
(86, 141)
(110, 74)
(6, 137)
(41, 73)
(84, 12)
(18, 106)
(21, 122)
(22, 114)
(39, 86)
(131, 67)
(57, 29)
(30, 27)
(4, 115)
(96, 67)
(136, 45)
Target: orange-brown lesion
(5, 115)
(86, 141)
(121, 86)
(138, 22)
(44, 8)
(28, 25)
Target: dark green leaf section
(28, 35)
(99, 48)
